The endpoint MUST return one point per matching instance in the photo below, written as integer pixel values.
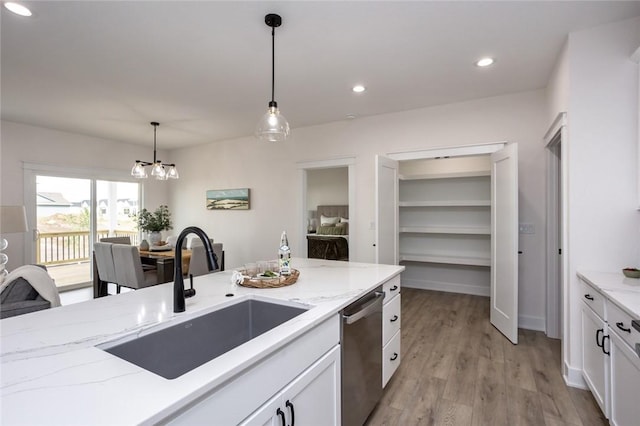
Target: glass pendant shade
(138, 171)
(158, 171)
(172, 173)
(273, 126)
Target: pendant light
(159, 170)
(272, 127)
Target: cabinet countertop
(623, 291)
(52, 372)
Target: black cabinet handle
(394, 319)
(606, 352)
(588, 297)
(293, 415)
(394, 357)
(620, 325)
(280, 413)
(600, 330)
(394, 288)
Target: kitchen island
(53, 373)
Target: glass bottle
(284, 255)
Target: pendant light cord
(155, 129)
(273, 61)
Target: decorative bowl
(631, 272)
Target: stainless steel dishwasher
(361, 358)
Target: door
(386, 210)
(504, 241)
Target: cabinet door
(386, 211)
(504, 241)
(313, 398)
(625, 383)
(594, 359)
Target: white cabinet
(313, 398)
(625, 367)
(610, 356)
(305, 372)
(595, 359)
(391, 320)
(625, 383)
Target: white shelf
(448, 203)
(452, 260)
(464, 230)
(446, 175)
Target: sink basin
(178, 349)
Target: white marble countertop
(623, 291)
(52, 373)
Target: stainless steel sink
(178, 349)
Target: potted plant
(154, 223)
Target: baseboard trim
(529, 322)
(448, 287)
(573, 377)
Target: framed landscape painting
(228, 199)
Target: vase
(144, 245)
(155, 237)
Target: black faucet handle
(190, 292)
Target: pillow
(325, 230)
(345, 226)
(332, 230)
(325, 220)
(344, 220)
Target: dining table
(162, 260)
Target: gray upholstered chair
(116, 240)
(198, 262)
(128, 268)
(104, 263)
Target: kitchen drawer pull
(293, 415)
(606, 352)
(394, 357)
(620, 325)
(394, 318)
(280, 413)
(600, 330)
(394, 288)
(588, 297)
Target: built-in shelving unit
(445, 228)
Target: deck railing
(54, 248)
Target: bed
(331, 239)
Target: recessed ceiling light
(359, 88)
(18, 9)
(485, 62)
(351, 116)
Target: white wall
(23, 143)
(597, 84)
(270, 171)
(327, 187)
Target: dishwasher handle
(366, 309)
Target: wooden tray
(276, 282)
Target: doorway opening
(555, 140)
(327, 183)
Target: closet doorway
(326, 182)
(456, 213)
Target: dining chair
(128, 268)
(198, 263)
(116, 240)
(104, 263)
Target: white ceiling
(203, 69)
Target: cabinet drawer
(391, 288)
(593, 298)
(620, 322)
(390, 319)
(390, 358)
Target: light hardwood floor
(457, 369)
